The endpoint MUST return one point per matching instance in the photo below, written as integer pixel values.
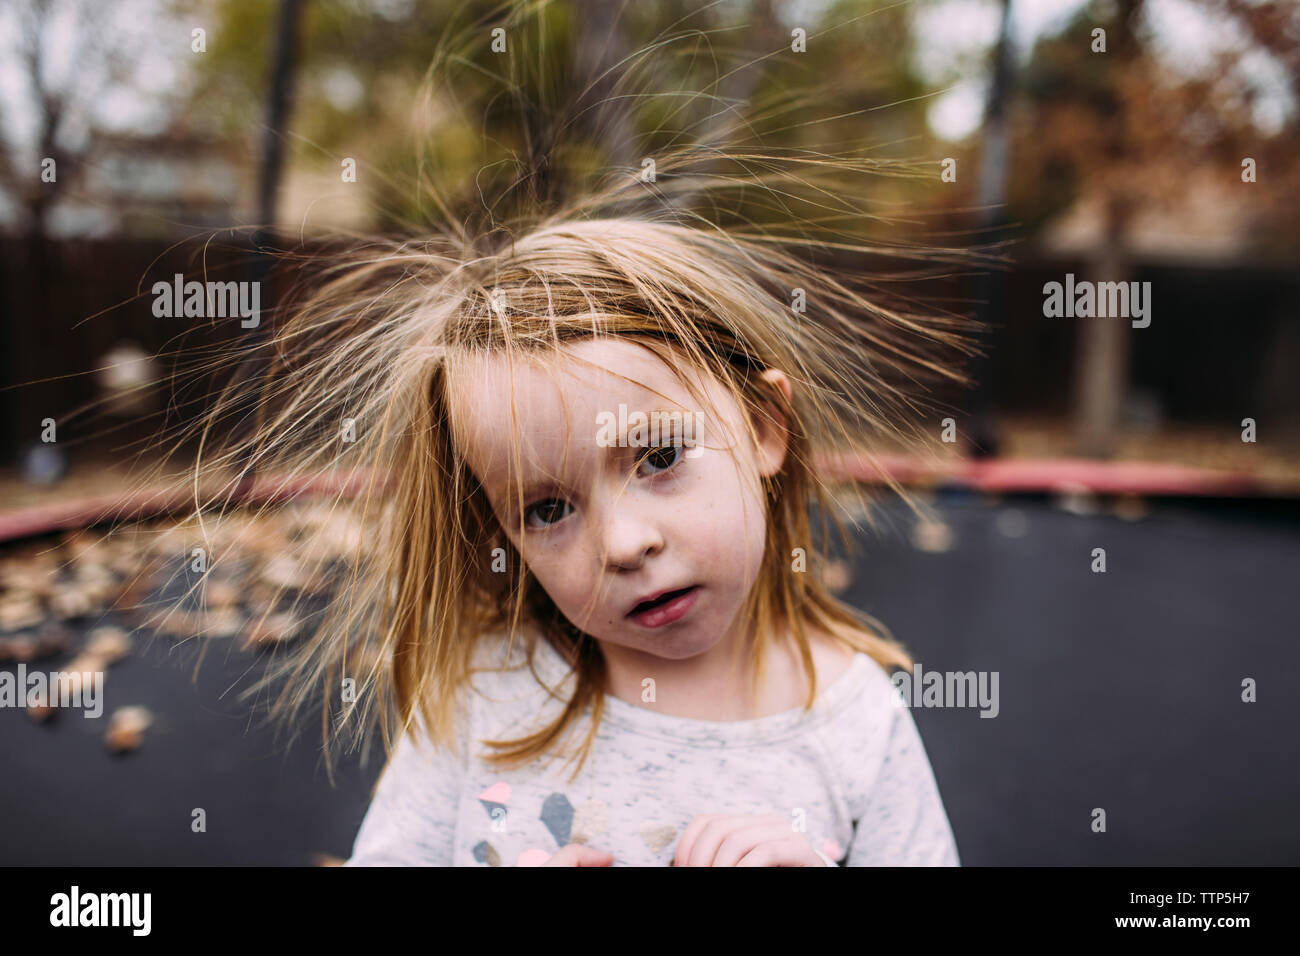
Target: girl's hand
(575, 854)
(754, 839)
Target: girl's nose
(630, 536)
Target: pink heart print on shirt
(499, 792)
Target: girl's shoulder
(852, 688)
(834, 660)
(831, 660)
(787, 681)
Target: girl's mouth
(666, 608)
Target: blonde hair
(375, 340)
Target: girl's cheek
(553, 557)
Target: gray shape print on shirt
(557, 814)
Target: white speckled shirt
(852, 772)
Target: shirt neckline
(717, 733)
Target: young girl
(590, 450)
(600, 448)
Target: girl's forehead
(542, 386)
(583, 364)
(530, 402)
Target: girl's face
(607, 527)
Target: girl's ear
(770, 424)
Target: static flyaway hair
(724, 256)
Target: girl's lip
(655, 596)
(667, 613)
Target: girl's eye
(661, 458)
(549, 511)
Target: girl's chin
(679, 645)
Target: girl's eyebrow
(506, 489)
(532, 488)
(529, 490)
(677, 415)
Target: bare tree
(69, 57)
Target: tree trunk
(1102, 352)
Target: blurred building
(154, 186)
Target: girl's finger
(710, 836)
(689, 836)
(744, 839)
(575, 854)
(589, 857)
(790, 851)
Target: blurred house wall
(1223, 341)
(96, 293)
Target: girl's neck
(707, 687)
